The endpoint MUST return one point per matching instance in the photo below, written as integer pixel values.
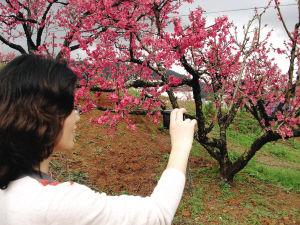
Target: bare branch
(21, 19)
(143, 84)
(140, 62)
(63, 3)
(41, 29)
(282, 20)
(156, 10)
(138, 112)
(189, 68)
(74, 47)
(12, 45)
(232, 112)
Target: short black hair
(36, 96)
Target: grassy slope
(278, 162)
(258, 190)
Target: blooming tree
(135, 43)
(44, 27)
(240, 74)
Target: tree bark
(173, 99)
(229, 169)
(226, 172)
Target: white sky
(241, 18)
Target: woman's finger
(194, 122)
(179, 114)
(173, 115)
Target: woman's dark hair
(36, 96)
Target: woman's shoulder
(28, 185)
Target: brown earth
(117, 160)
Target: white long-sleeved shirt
(29, 201)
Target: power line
(242, 9)
(245, 9)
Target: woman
(36, 119)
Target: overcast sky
(240, 16)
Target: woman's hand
(182, 135)
(181, 131)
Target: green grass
(289, 178)
(284, 150)
(78, 177)
(285, 154)
(226, 192)
(285, 177)
(260, 208)
(59, 169)
(240, 135)
(134, 92)
(244, 123)
(197, 149)
(240, 140)
(63, 174)
(256, 201)
(279, 153)
(196, 201)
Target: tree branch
(188, 67)
(74, 47)
(211, 145)
(282, 20)
(28, 33)
(270, 136)
(133, 112)
(21, 19)
(12, 45)
(141, 84)
(41, 29)
(62, 3)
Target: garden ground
(131, 162)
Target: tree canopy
(131, 40)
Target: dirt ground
(118, 161)
(130, 162)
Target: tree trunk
(226, 171)
(172, 98)
(229, 169)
